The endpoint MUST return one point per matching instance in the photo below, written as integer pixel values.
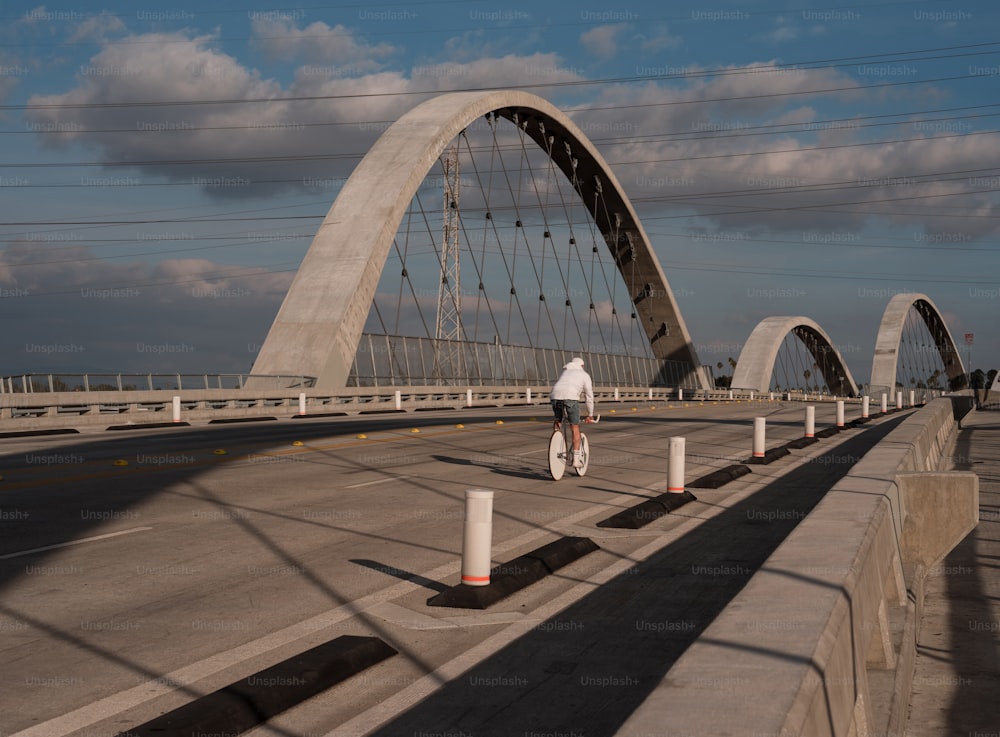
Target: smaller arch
(756, 362)
(890, 333)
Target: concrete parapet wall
(840, 597)
(58, 410)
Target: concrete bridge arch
(890, 333)
(756, 362)
(318, 327)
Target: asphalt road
(140, 569)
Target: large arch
(756, 362)
(890, 332)
(320, 322)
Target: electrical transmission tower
(448, 328)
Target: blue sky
(786, 158)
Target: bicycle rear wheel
(557, 455)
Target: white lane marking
(111, 706)
(378, 481)
(378, 715)
(76, 542)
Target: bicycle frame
(561, 448)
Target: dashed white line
(378, 481)
(76, 542)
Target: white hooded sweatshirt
(574, 383)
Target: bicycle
(561, 447)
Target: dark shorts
(572, 410)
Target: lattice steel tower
(448, 328)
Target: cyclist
(571, 385)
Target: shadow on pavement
(587, 669)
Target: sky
(785, 157)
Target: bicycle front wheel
(557, 455)
(585, 447)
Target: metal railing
(47, 410)
(98, 382)
(395, 360)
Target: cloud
(602, 41)
(495, 72)
(280, 38)
(35, 15)
(323, 136)
(658, 39)
(743, 153)
(11, 73)
(785, 29)
(97, 28)
(178, 315)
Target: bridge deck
(199, 568)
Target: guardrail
(47, 410)
(43, 383)
(39, 410)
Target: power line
(747, 131)
(516, 28)
(332, 157)
(753, 69)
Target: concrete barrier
(822, 639)
(21, 412)
(46, 410)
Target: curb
(721, 477)
(517, 574)
(233, 420)
(800, 443)
(150, 426)
(642, 514)
(255, 699)
(770, 456)
(31, 433)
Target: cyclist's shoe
(577, 459)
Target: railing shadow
(972, 622)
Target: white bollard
(899, 400)
(675, 469)
(399, 399)
(616, 394)
(885, 403)
(527, 395)
(650, 394)
(302, 403)
(477, 538)
(759, 425)
(177, 409)
(680, 395)
(751, 396)
(810, 421)
(913, 398)
(468, 397)
(770, 396)
(730, 394)
(840, 413)
(865, 404)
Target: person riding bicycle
(571, 385)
